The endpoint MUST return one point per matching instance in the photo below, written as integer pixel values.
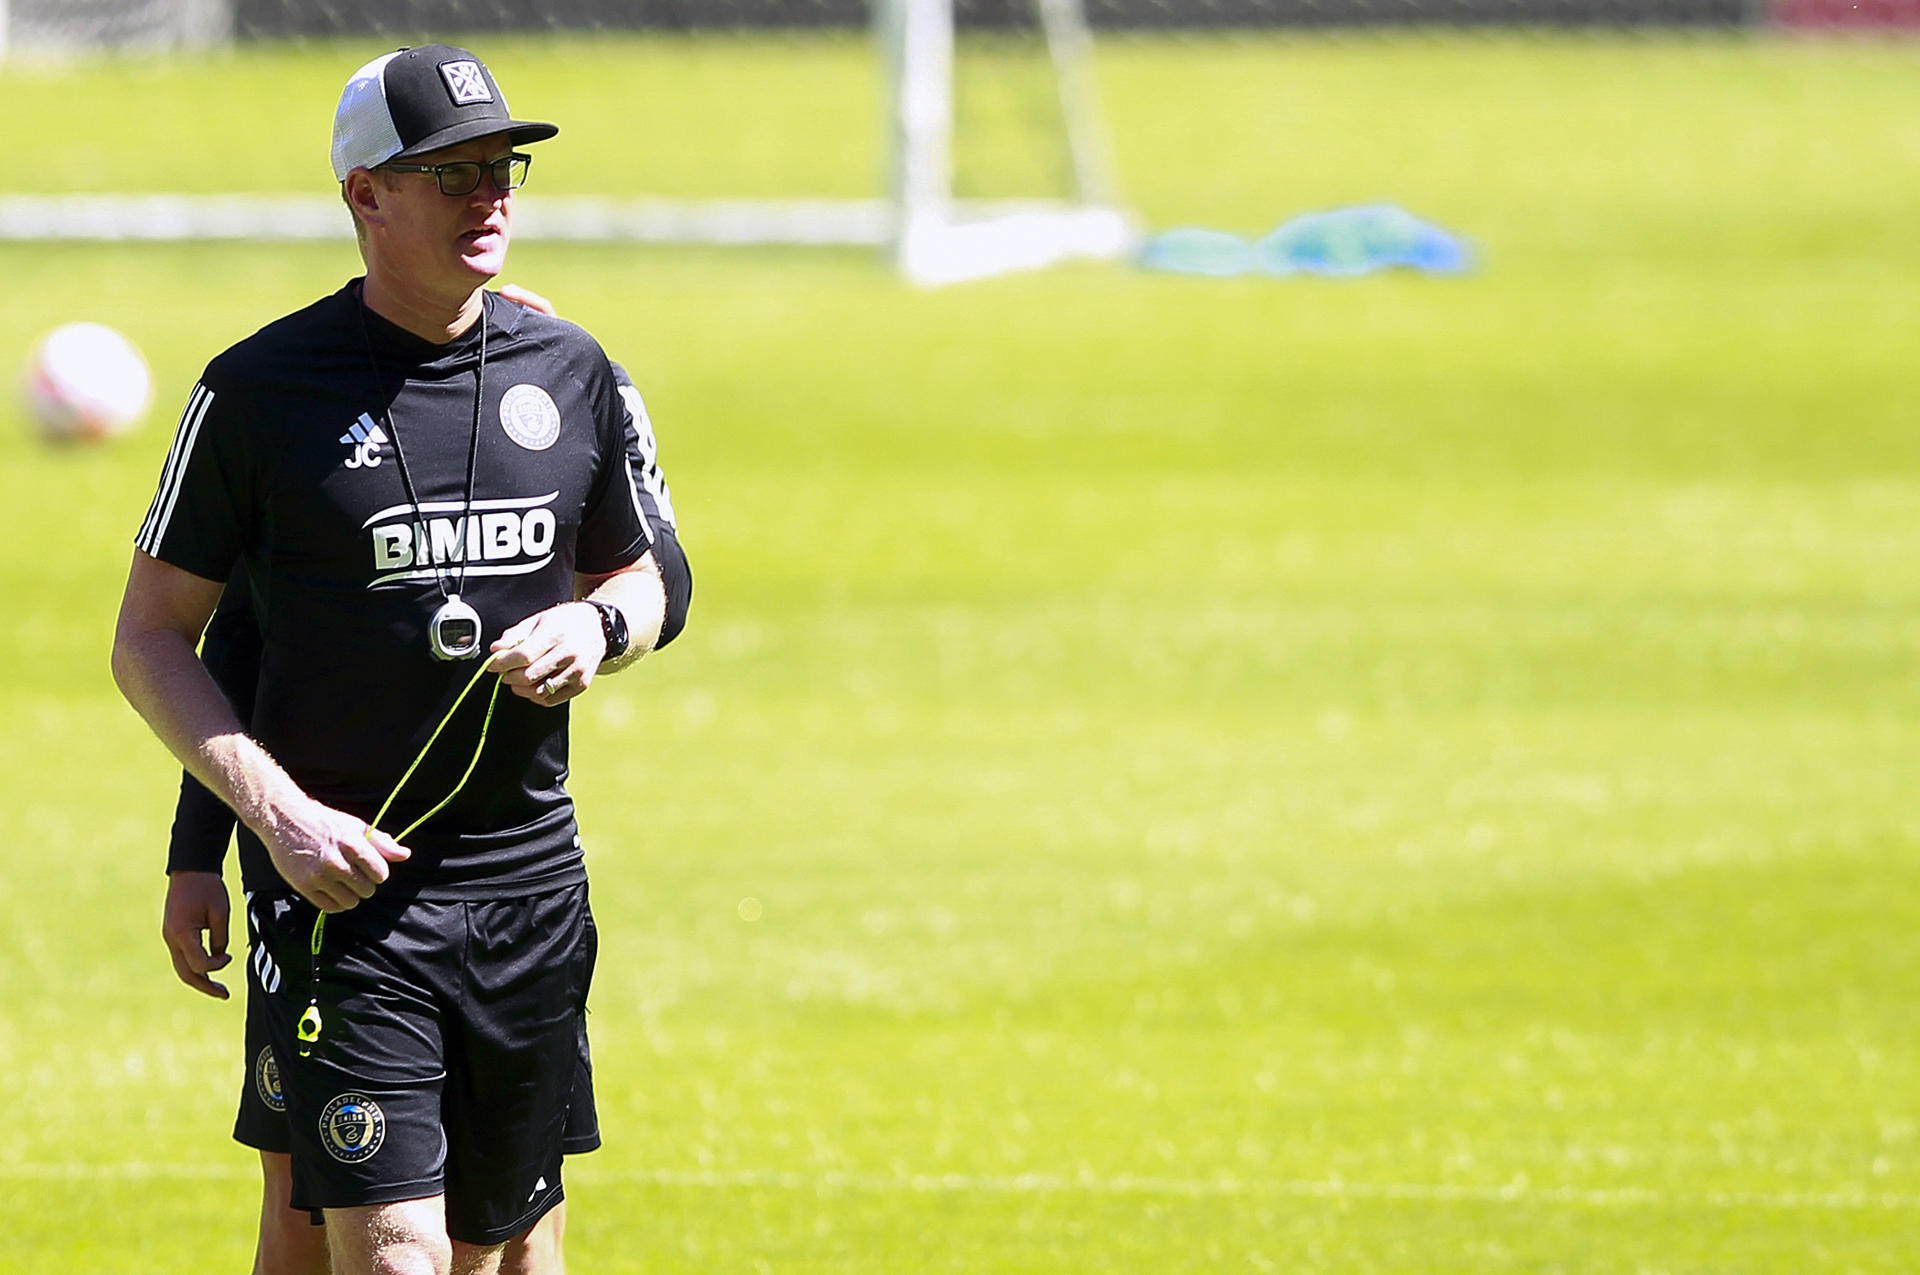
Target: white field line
(1522, 1193)
(976, 231)
(111, 217)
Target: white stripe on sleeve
(633, 493)
(173, 458)
(653, 483)
(154, 530)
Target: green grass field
(1394, 775)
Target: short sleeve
(613, 529)
(643, 453)
(197, 520)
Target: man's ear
(363, 195)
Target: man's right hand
(331, 858)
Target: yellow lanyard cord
(485, 724)
(309, 1030)
(480, 744)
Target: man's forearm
(165, 682)
(642, 599)
(333, 859)
(230, 650)
(202, 827)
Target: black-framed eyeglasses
(509, 172)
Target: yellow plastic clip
(309, 1031)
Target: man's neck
(428, 316)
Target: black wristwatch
(613, 627)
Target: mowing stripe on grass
(1089, 1184)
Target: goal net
(935, 228)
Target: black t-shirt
(230, 648)
(286, 467)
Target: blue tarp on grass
(1344, 241)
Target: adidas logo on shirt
(366, 438)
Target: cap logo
(466, 84)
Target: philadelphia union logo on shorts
(352, 1127)
(529, 416)
(266, 1080)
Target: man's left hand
(551, 657)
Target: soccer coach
(418, 480)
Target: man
(417, 481)
(195, 919)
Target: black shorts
(451, 1040)
(262, 1121)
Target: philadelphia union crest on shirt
(529, 416)
(352, 1127)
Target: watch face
(454, 631)
(458, 634)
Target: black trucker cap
(412, 101)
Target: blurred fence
(281, 17)
(265, 18)
(134, 22)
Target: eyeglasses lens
(509, 172)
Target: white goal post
(932, 237)
(938, 239)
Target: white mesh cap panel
(363, 132)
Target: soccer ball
(86, 382)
